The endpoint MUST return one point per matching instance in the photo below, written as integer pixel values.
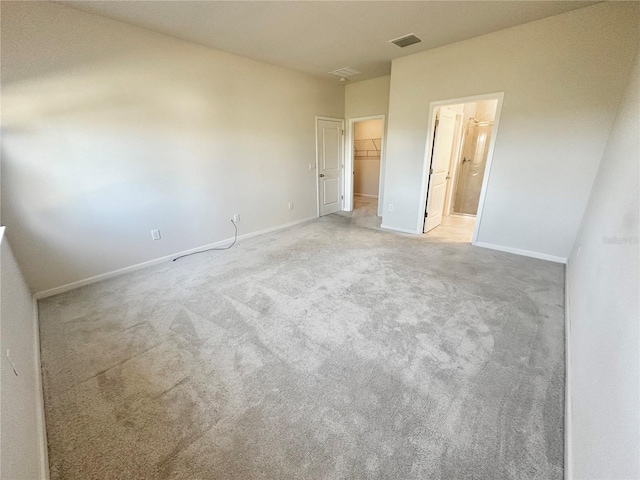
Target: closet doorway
(367, 147)
(458, 158)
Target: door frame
(341, 175)
(487, 169)
(350, 162)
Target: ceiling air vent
(344, 72)
(405, 40)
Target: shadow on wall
(177, 138)
(96, 152)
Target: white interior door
(438, 173)
(329, 150)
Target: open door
(329, 148)
(439, 167)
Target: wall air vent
(344, 72)
(405, 40)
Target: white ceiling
(316, 37)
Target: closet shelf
(367, 147)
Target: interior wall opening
(461, 145)
(368, 138)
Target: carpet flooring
(329, 350)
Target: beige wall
(366, 98)
(562, 79)
(363, 99)
(368, 129)
(603, 310)
(366, 171)
(22, 443)
(110, 131)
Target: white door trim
(487, 170)
(334, 119)
(349, 162)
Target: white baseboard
(525, 253)
(568, 389)
(399, 229)
(365, 195)
(40, 418)
(115, 273)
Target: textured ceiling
(316, 37)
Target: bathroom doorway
(458, 153)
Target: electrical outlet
(155, 234)
(310, 167)
(290, 205)
(236, 217)
(391, 207)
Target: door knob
(448, 177)
(322, 174)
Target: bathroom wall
(472, 168)
(485, 110)
(475, 148)
(366, 176)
